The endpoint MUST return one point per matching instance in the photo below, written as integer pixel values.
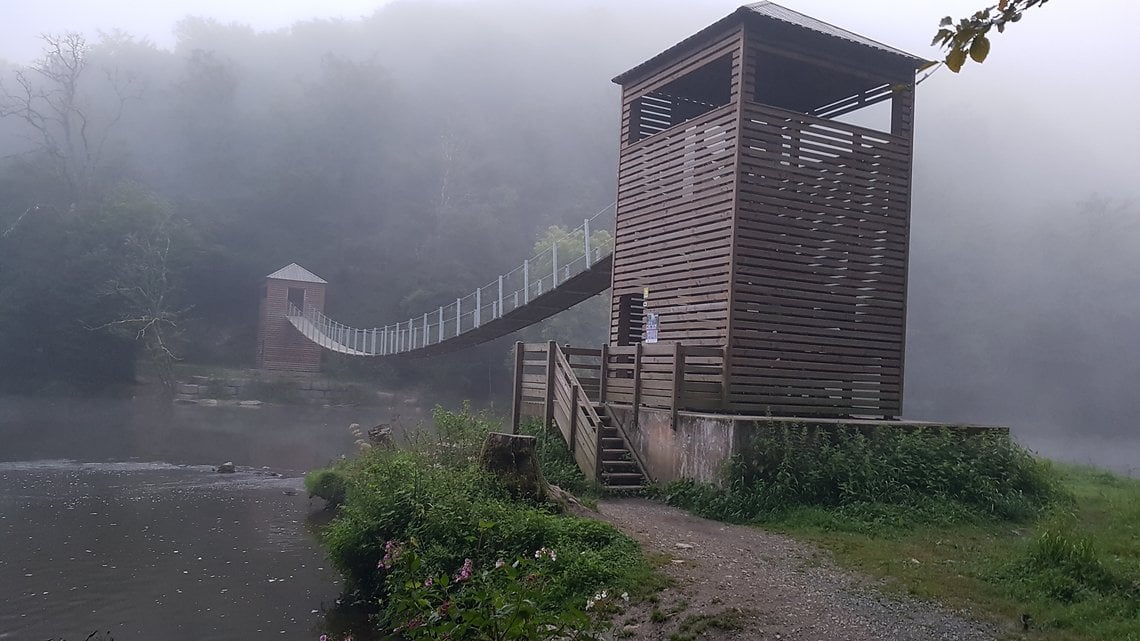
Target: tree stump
(513, 459)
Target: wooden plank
(551, 352)
(517, 396)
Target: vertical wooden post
(678, 380)
(573, 416)
(598, 469)
(516, 399)
(603, 373)
(636, 382)
(548, 415)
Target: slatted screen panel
(820, 279)
(674, 227)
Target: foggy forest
(411, 155)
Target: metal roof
(784, 14)
(770, 11)
(295, 272)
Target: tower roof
(772, 13)
(295, 272)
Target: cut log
(513, 459)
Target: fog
(408, 151)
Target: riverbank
(902, 536)
(1032, 547)
(1074, 570)
(441, 548)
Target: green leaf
(946, 22)
(980, 48)
(955, 59)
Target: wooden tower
(754, 216)
(279, 345)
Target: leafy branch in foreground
(969, 37)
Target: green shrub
(885, 477)
(330, 484)
(1066, 567)
(433, 497)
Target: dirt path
(739, 582)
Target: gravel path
(760, 585)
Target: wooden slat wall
(674, 221)
(700, 388)
(820, 279)
(674, 208)
(727, 43)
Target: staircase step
(625, 488)
(613, 454)
(612, 443)
(620, 468)
(622, 478)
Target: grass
(431, 496)
(972, 522)
(1075, 570)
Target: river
(112, 518)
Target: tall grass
(883, 476)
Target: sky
(908, 24)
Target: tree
(143, 282)
(968, 39)
(68, 125)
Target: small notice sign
(652, 322)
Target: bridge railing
(568, 256)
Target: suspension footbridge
(576, 267)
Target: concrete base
(699, 445)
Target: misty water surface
(112, 518)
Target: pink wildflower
(428, 582)
(465, 571)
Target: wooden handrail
(583, 423)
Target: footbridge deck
(577, 266)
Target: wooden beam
(551, 352)
(678, 380)
(636, 382)
(516, 397)
(573, 415)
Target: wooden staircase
(569, 382)
(619, 470)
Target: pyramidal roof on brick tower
(295, 272)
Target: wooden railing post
(598, 453)
(573, 415)
(516, 399)
(548, 415)
(636, 382)
(603, 373)
(678, 380)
